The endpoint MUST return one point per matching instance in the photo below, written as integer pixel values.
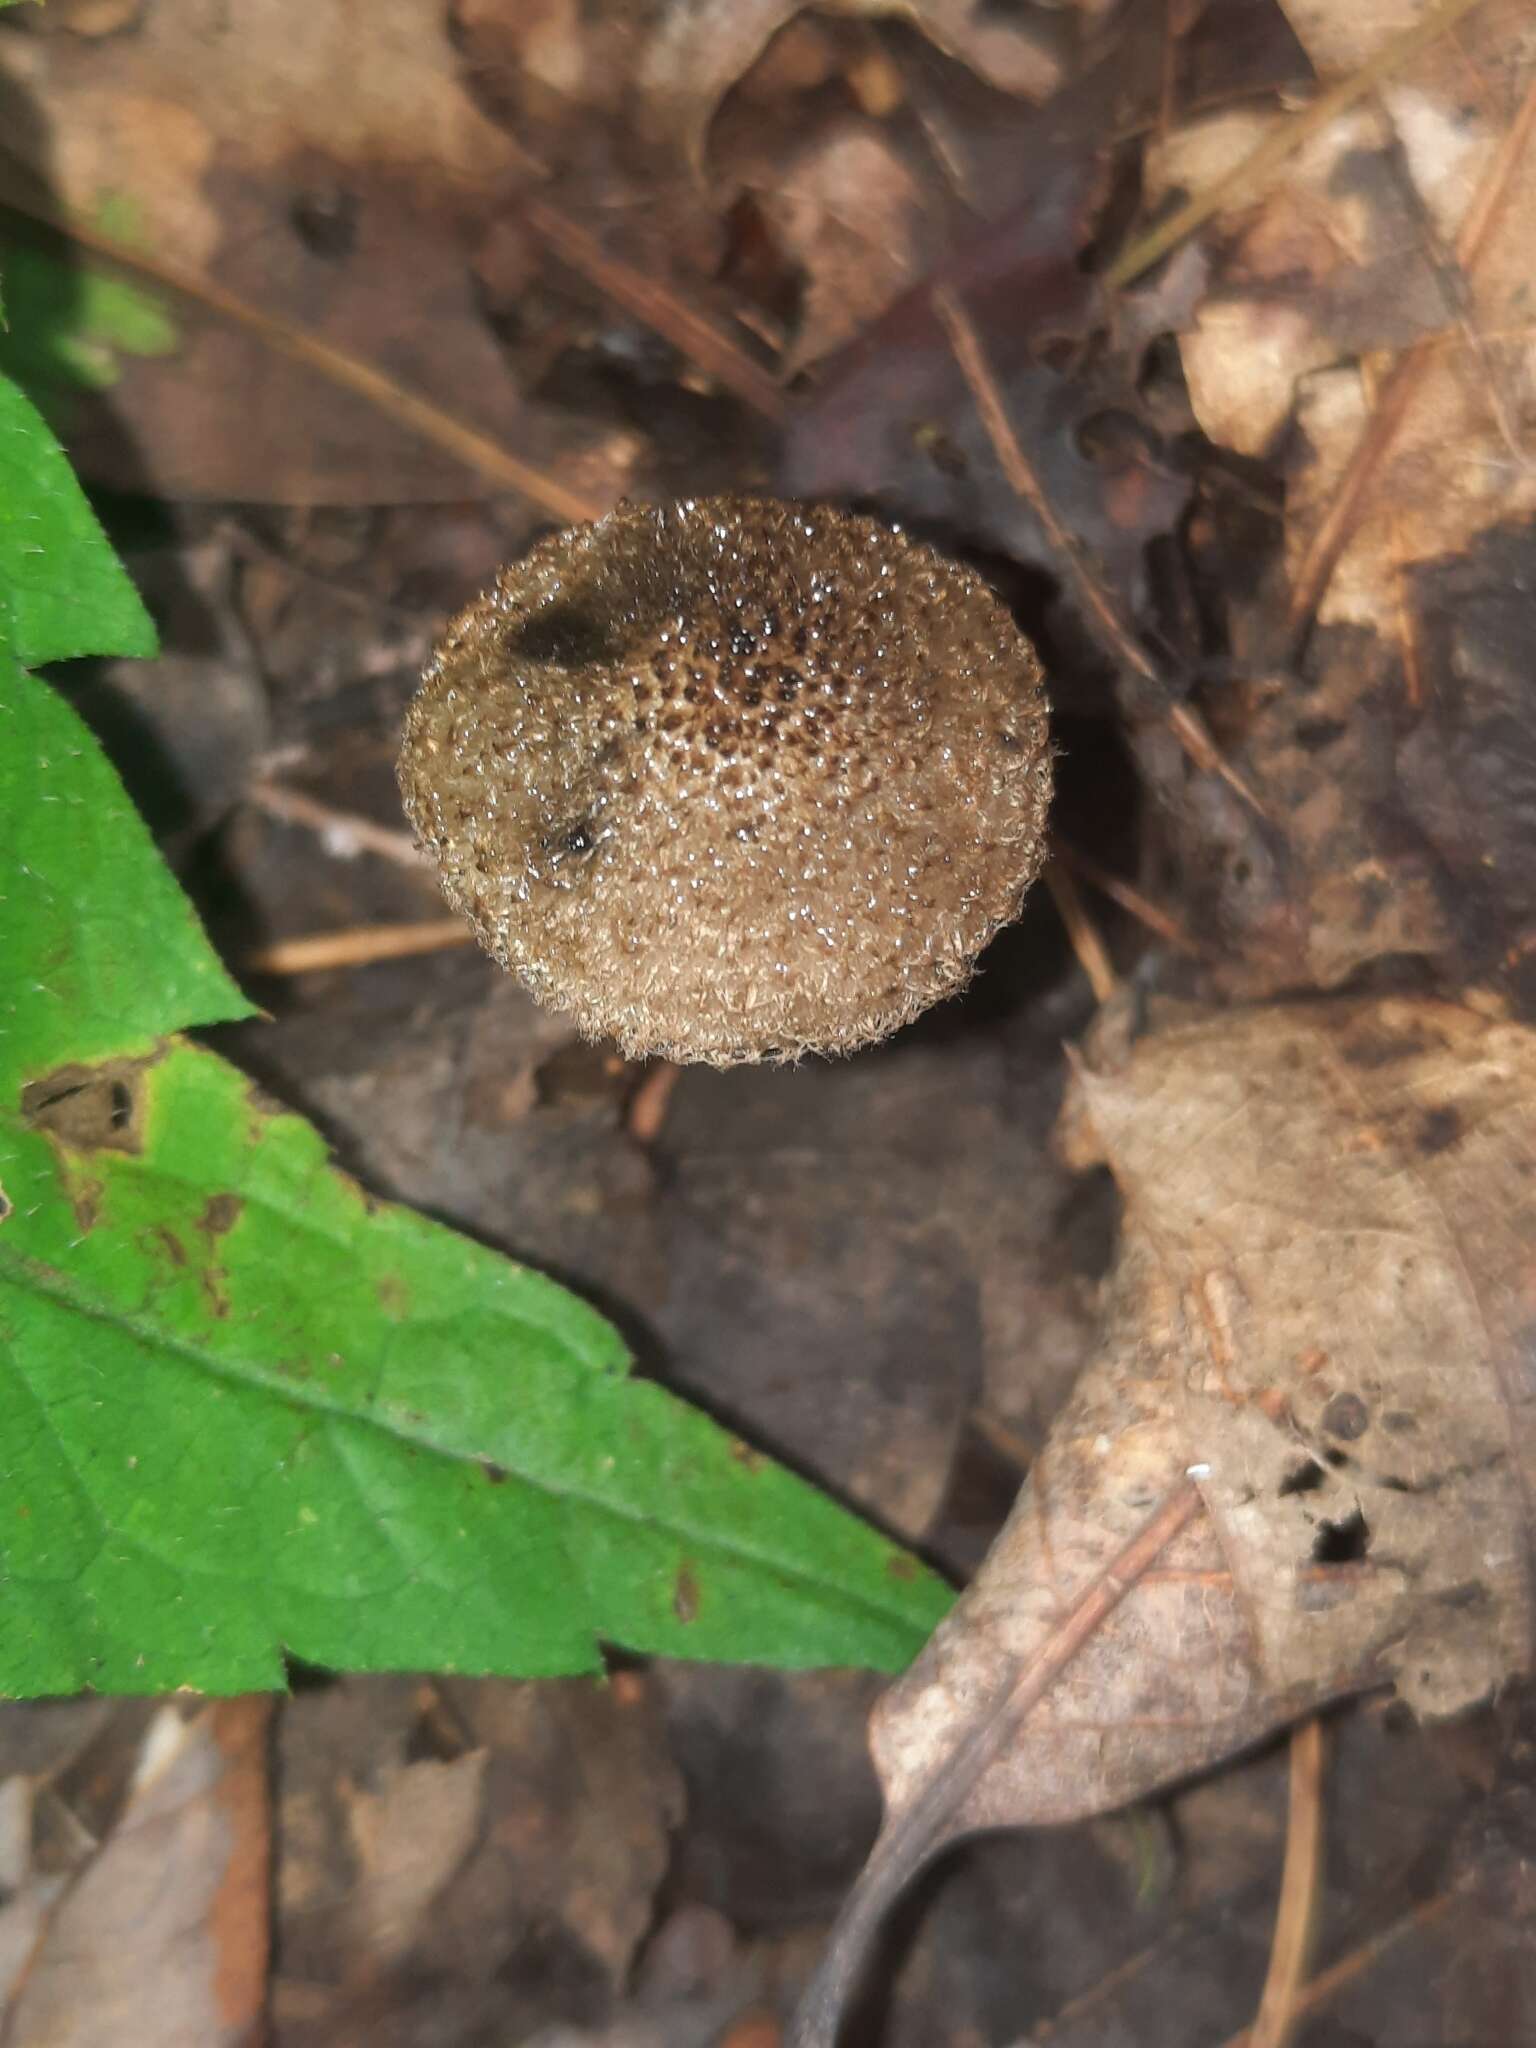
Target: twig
(1100, 608)
(1123, 1973)
(412, 409)
(1328, 1983)
(1257, 170)
(1189, 730)
(1092, 955)
(1130, 899)
(343, 833)
(696, 337)
(1009, 1443)
(359, 945)
(649, 1103)
(1020, 472)
(1314, 1997)
(1300, 1887)
(908, 1841)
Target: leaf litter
(1321, 558)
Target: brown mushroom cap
(731, 779)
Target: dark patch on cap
(567, 636)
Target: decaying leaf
(844, 207)
(893, 418)
(415, 1889)
(169, 1916)
(221, 142)
(411, 1831)
(1301, 1463)
(702, 47)
(1367, 328)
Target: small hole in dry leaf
(325, 219)
(1342, 1542)
(1303, 1478)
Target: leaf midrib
(302, 1401)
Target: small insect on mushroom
(731, 779)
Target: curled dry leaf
(845, 209)
(702, 47)
(1369, 322)
(1301, 1464)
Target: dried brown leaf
(845, 208)
(1320, 1319)
(220, 143)
(893, 417)
(1367, 326)
(700, 49)
(170, 1916)
(411, 1831)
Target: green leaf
(68, 325)
(62, 590)
(244, 1410)
(250, 1410)
(102, 951)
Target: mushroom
(730, 779)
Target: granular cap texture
(730, 779)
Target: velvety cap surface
(731, 779)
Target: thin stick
(1316, 1995)
(1130, 899)
(359, 946)
(1300, 1889)
(1324, 1987)
(650, 1101)
(344, 833)
(696, 337)
(908, 1841)
(412, 409)
(1092, 954)
(1258, 170)
(1008, 1442)
(1020, 472)
(1100, 608)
